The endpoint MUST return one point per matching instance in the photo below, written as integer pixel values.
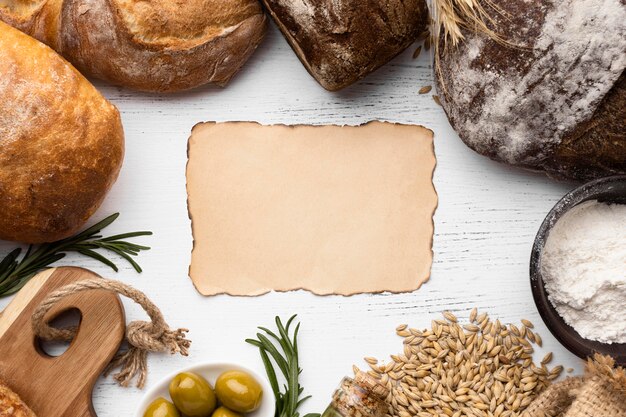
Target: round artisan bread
(553, 97)
(61, 143)
(157, 45)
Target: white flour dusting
(578, 56)
(584, 269)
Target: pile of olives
(193, 396)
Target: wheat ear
(452, 17)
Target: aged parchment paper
(329, 209)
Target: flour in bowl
(584, 270)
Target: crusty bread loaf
(157, 45)
(554, 102)
(341, 41)
(11, 404)
(61, 142)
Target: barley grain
(547, 358)
(450, 317)
(481, 369)
(426, 89)
(427, 43)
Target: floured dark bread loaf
(341, 41)
(558, 103)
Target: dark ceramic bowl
(609, 190)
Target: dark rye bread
(341, 41)
(557, 101)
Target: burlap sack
(600, 393)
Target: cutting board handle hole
(67, 318)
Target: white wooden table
(484, 227)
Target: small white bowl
(210, 371)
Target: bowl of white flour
(578, 269)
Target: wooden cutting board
(59, 386)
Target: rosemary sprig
(15, 273)
(287, 402)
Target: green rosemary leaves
(15, 272)
(287, 402)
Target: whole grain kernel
(480, 368)
(426, 89)
(417, 52)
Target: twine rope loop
(142, 336)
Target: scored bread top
(169, 22)
(178, 23)
(157, 45)
(22, 8)
(37, 18)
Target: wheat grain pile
(479, 369)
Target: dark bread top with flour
(554, 98)
(341, 41)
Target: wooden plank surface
(484, 227)
(59, 385)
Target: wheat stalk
(452, 17)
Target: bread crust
(11, 405)
(157, 46)
(554, 100)
(340, 42)
(61, 143)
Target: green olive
(225, 412)
(238, 391)
(192, 394)
(161, 408)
